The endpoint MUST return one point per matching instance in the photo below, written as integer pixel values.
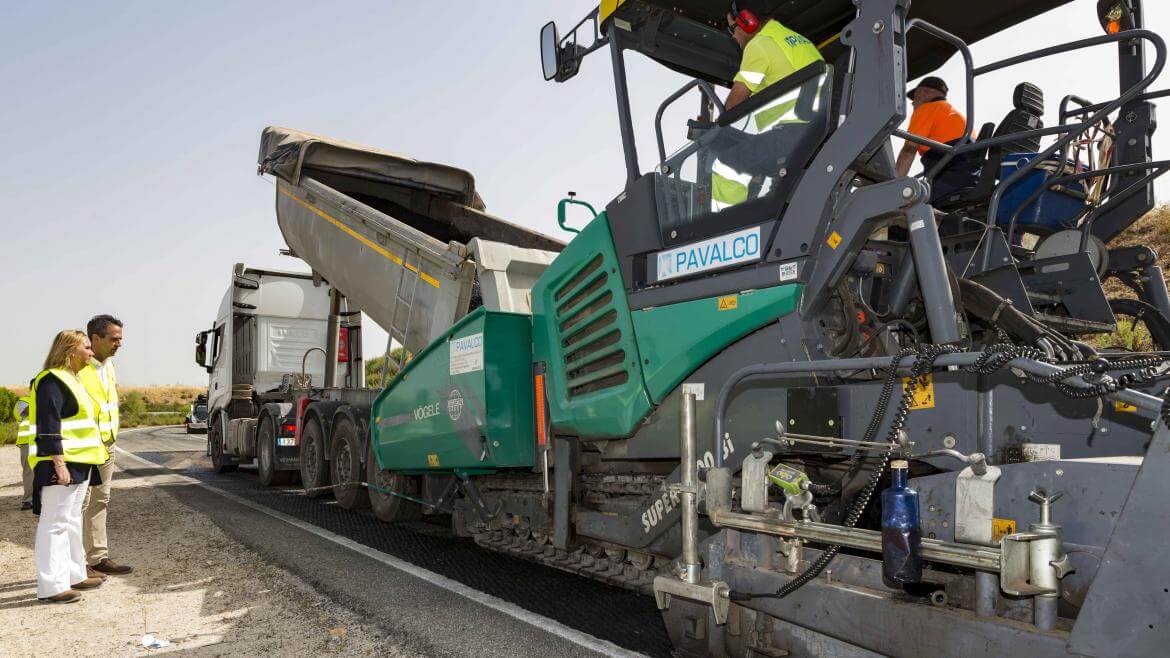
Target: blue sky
(131, 131)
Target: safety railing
(949, 152)
(704, 87)
(1069, 131)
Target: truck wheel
(266, 455)
(346, 467)
(314, 469)
(388, 507)
(220, 463)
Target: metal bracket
(754, 482)
(975, 505)
(713, 593)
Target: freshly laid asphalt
(426, 589)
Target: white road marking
(541, 622)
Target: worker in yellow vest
(26, 431)
(64, 459)
(105, 334)
(771, 53)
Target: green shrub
(374, 367)
(7, 433)
(151, 420)
(7, 401)
(131, 404)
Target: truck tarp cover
(287, 154)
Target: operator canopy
(690, 36)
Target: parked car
(196, 420)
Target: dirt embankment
(193, 586)
(1153, 231)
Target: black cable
(923, 365)
(992, 359)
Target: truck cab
(269, 331)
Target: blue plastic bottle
(901, 531)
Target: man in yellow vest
(771, 53)
(105, 335)
(26, 432)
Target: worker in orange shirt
(937, 120)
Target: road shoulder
(193, 585)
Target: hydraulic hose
(990, 360)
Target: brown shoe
(89, 583)
(90, 572)
(111, 568)
(68, 596)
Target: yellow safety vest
(27, 429)
(774, 54)
(106, 397)
(81, 440)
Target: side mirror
(201, 351)
(550, 54)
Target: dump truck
(406, 243)
(704, 399)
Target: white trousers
(58, 553)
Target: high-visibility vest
(106, 397)
(774, 54)
(27, 429)
(81, 440)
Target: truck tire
(388, 507)
(220, 463)
(266, 455)
(314, 468)
(346, 465)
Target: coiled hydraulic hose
(922, 365)
(991, 359)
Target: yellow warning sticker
(834, 240)
(729, 303)
(923, 392)
(1118, 405)
(1001, 528)
(432, 460)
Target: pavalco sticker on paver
(714, 253)
(467, 354)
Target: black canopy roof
(691, 35)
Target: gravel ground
(193, 586)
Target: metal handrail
(1144, 97)
(1116, 199)
(1144, 401)
(1070, 178)
(1076, 129)
(969, 79)
(704, 87)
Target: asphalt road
(428, 590)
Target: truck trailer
(707, 399)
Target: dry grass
(1152, 231)
(163, 395)
(151, 395)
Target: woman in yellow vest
(64, 459)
